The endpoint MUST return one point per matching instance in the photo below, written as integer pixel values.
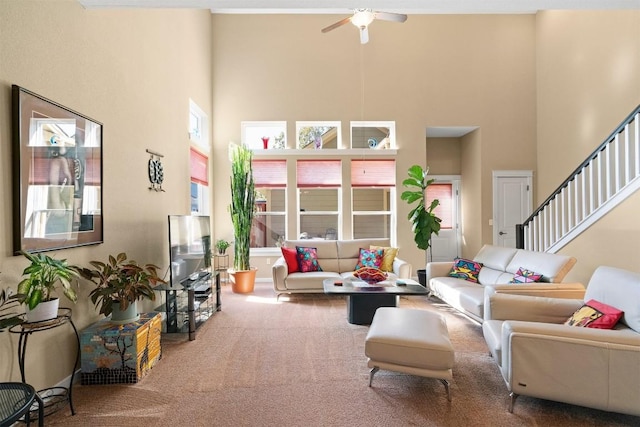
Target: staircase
(608, 176)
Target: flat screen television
(190, 249)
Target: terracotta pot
(46, 310)
(243, 281)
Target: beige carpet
(299, 363)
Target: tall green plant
(242, 208)
(424, 221)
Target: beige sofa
(499, 266)
(541, 357)
(337, 258)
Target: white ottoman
(411, 341)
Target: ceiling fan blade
(336, 25)
(364, 35)
(389, 16)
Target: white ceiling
(343, 7)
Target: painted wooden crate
(120, 353)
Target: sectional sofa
(337, 258)
(499, 265)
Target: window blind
(319, 173)
(270, 173)
(373, 173)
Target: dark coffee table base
(361, 308)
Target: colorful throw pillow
(369, 258)
(388, 256)
(370, 274)
(291, 258)
(595, 314)
(525, 276)
(307, 259)
(466, 269)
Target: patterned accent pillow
(525, 276)
(594, 314)
(291, 258)
(369, 258)
(466, 269)
(388, 256)
(307, 259)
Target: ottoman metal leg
(446, 386)
(372, 372)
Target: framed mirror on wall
(57, 175)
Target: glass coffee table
(365, 299)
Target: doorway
(512, 201)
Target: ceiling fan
(363, 17)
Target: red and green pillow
(369, 258)
(307, 259)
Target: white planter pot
(46, 310)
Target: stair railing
(608, 176)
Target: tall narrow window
(373, 185)
(269, 222)
(199, 183)
(319, 188)
(444, 193)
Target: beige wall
(444, 156)
(588, 69)
(134, 71)
(429, 71)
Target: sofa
(541, 356)
(337, 258)
(499, 265)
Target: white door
(446, 245)
(512, 200)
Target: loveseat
(337, 258)
(499, 265)
(541, 356)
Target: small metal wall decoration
(156, 171)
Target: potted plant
(242, 209)
(222, 245)
(119, 284)
(43, 276)
(424, 222)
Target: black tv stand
(188, 305)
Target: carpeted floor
(299, 363)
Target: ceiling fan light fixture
(362, 18)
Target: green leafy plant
(42, 278)
(242, 208)
(120, 281)
(222, 245)
(424, 222)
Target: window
(264, 135)
(319, 195)
(318, 135)
(270, 220)
(373, 198)
(199, 161)
(199, 183)
(444, 193)
(373, 135)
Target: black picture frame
(57, 175)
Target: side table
(52, 398)
(221, 265)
